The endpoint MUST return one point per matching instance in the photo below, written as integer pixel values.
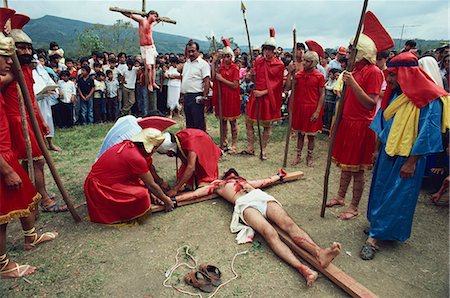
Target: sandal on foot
(247, 152)
(368, 251)
(199, 280)
(37, 240)
(348, 214)
(21, 269)
(335, 203)
(55, 207)
(212, 272)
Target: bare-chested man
(254, 208)
(148, 48)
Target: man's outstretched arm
(268, 181)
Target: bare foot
(263, 156)
(327, 255)
(309, 274)
(54, 148)
(14, 270)
(296, 161)
(336, 201)
(309, 162)
(32, 241)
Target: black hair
(334, 70)
(112, 60)
(100, 73)
(86, 68)
(64, 73)
(108, 71)
(301, 45)
(193, 43)
(410, 43)
(69, 60)
(121, 54)
(53, 44)
(229, 172)
(153, 12)
(130, 61)
(173, 59)
(94, 53)
(383, 55)
(97, 64)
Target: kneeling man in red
(118, 187)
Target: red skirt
(18, 145)
(268, 112)
(301, 115)
(354, 146)
(16, 203)
(108, 204)
(231, 103)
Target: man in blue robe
(414, 112)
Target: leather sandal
(199, 280)
(37, 240)
(21, 269)
(212, 272)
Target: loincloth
(149, 54)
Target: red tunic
(231, 100)
(307, 94)
(355, 141)
(15, 122)
(269, 75)
(13, 203)
(114, 192)
(208, 154)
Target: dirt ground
(91, 260)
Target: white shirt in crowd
(99, 88)
(111, 87)
(193, 74)
(67, 89)
(122, 67)
(335, 64)
(130, 77)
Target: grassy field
(91, 260)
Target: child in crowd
(99, 97)
(112, 96)
(67, 97)
(85, 90)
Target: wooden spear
(291, 100)
(18, 75)
(340, 109)
(219, 94)
(243, 8)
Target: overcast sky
(331, 23)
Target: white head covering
(167, 145)
(430, 66)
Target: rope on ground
(186, 248)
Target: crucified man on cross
(255, 209)
(148, 48)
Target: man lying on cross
(253, 209)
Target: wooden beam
(333, 273)
(142, 13)
(289, 177)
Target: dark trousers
(99, 109)
(194, 112)
(162, 100)
(62, 114)
(112, 108)
(329, 107)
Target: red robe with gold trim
(269, 76)
(13, 203)
(14, 118)
(231, 99)
(114, 192)
(355, 142)
(307, 94)
(208, 154)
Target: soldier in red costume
(118, 186)
(199, 156)
(268, 76)
(228, 76)
(24, 50)
(309, 95)
(354, 146)
(18, 197)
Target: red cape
(208, 154)
(269, 75)
(231, 100)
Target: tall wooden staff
(291, 100)
(243, 8)
(219, 93)
(340, 109)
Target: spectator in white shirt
(112, 96)
(67, 97)
(129, 98)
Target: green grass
(90, 260)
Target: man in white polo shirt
(195, 86)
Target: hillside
(66, 31)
